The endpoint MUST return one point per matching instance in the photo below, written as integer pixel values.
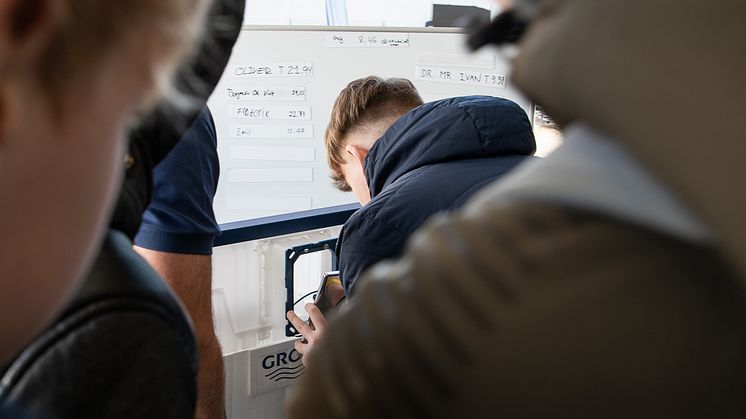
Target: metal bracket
(291, 257)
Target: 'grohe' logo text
(281, 366)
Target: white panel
(273, 70)
(270, 175)
(273, 153)
(484, 62)
(266, 93)
(249, 307)
(286, 131)
(367, 40)
(464, 77)
(274, 367)
(269, 203)
(258, 111)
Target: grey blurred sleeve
(534, 312)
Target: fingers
(301, 347)
(317, 317)
(301, 326)
(311, 334)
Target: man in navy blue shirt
(176, 238)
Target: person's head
(72, 75)
(362, 113)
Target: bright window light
(285, 12)
(412, 13)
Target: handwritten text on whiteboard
(267, 112)
(266, 93)
(462, 76)
(272, 70)
(289, 131)
(367, 40)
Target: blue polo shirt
(180, 218)
(9, 412)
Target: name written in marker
(270, 112)
(297, 130)
(266, 93)
(462, 76)
(272, 70)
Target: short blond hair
(364, 101)
(162, 31)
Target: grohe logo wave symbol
(280, 366)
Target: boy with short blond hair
(406, 161)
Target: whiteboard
(274, 101)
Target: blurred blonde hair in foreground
(162, 31)
(72, 75)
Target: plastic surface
(249, 304)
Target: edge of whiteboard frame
(319, 28)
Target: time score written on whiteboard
(297, 130)
(462, 76)
(262, 93)
(270, 112)
(367, 40)
(272, 70)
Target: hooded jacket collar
(665, 80)
(591, 172)
(469, 127)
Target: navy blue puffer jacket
(433, 159)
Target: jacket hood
(470, 127)
(665, 80)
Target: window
(359, 12)
(285, 12)
(389, 12)
(400, 13)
